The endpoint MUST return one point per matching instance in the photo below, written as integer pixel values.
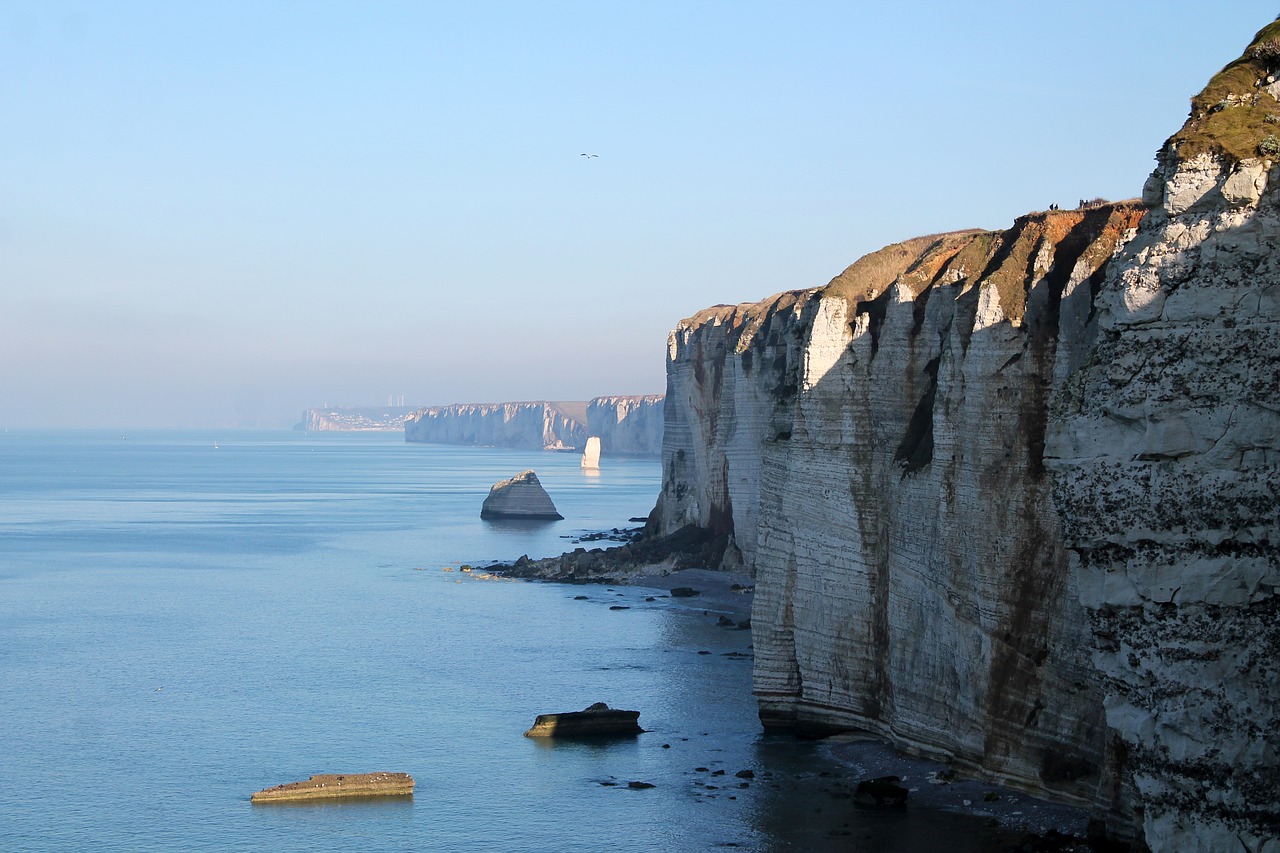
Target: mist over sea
(188, 617)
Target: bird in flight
(590, 155)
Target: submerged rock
(520, 497)
(596, 720)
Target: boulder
(522, 496)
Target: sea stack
(591, 456)
(520, 497)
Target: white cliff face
(1014, 499)
(533, 426)
(875, 448)
(1166, 449)
(627, 424)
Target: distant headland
(628, 424)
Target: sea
(187, 617)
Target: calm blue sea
(182, 624)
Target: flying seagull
(590, 155)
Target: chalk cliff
(1166, 450)
(875, 450)
(874, 447)
(531, 426)
(627, 424)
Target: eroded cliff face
(876, 448)
(1166, 450)
(531, 426)
(627, 424)
(1013, 498)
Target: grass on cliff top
(1224, 118)
(872, 274)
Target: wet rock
(884, 791)
(595, 721)
(684, 592)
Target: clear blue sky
(220, 213)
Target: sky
(219, 214)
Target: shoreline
(1023, 821)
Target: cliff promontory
(874, 451)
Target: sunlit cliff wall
(875, 447)
(1013, 499)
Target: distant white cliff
(624, 424)
(627, 424)
(534, 425)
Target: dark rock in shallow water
(684, 592)
(640, 786)
(597, 720)
(884, 791)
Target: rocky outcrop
(1166, 449)
(521, 497)
(598, 720)
(630, 425)
(1012, 499)
(334, 785)
(529, 426)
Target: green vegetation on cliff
(1236, 113)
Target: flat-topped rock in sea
(331, 785)
(597, 720)
(520, 497)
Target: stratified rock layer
(875, 447)
(526, 426)
(1166, 449)
(521, 497)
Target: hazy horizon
(222, 214)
